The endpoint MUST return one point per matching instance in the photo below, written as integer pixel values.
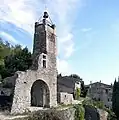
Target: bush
(111, 115)
(93, 103)
(77, 93)
(80, 112)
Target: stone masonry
(101, 92)
(44, 69)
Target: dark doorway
(40, 95)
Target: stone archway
(40, 94)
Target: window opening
(44, 63)
(44, 56)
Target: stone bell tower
(37, 87)
(44, 49)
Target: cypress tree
(115, 98)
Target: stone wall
(92, 113)
(24, 82)
(9, 82)
(103, 114)
(101, 92)
(65, 98)
(66, 114)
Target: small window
(65, 96)
(108, 99)
(44, 56)
(2, 93)
(106, 91)
(44, 63)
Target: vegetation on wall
(79, 112)
(93, 103)
(111, 115)
(77, 93)
(100, 105)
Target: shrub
(77, 93)
(80, 112)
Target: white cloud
(24, 13)
(8, 37)
(69, 50)
(63, 67)
(67, 38)
(67, 45)
(86, 29)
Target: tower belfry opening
(45, 19)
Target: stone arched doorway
(40, 94)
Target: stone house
(66, 87)
(101, 92)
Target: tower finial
(45, 7)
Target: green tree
(79, 112)
(75, 76)
(5, 50)
(19, 60)
(13, 58)
(115, 98)
(84, 90)
(77, 93)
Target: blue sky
(87, 33)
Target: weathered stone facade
(43, 69)
(66, 98)
(102, 92)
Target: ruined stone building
(101, 92)
(37, 87)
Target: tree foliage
(5, 50)
(115, 98)
(84, 90)
(75, 76)
(77, 93)
(19, 61)
(79, 112)
(13, 58)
